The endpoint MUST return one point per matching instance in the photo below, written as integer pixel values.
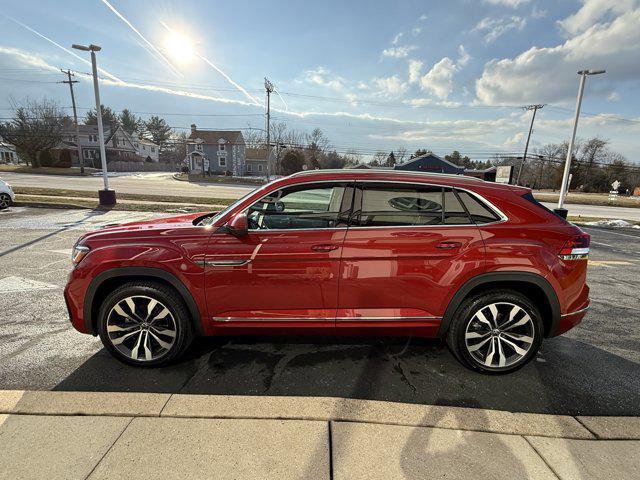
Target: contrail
(153, 48)
(286, 107)
(230, 80)
(70, 52)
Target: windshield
(210, 220)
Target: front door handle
(448, 245)
(325, 247)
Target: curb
(167, 405)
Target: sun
(179, 47)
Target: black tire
(503, 301)
(5, 201)
(146, 291)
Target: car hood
(144, 228)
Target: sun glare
(179, 47)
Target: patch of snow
(612, 223)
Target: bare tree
(379, 158)
(401, 154)
(36, 127)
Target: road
(164, 184)
(141, 183)
(593, 370)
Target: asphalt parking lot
(593, 370)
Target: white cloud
(415, 68)
(390, 86)
(594, 11)
(507, 3)
(613, 97)
(538, 13)
(439, 80)
(397, 38)
(398, 52)
(494, 28)
(464, 56)
(321, 76)
(549, 74)
(416, 31)
(423, 17)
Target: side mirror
(239, 225)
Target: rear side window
(385, 205)
(480, 213)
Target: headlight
(78, 253)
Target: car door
(407, 246)
(286, 269)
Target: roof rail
(393, 172)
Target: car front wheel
(144, 324)
(496, 332)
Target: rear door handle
(325, 247)
(448, 245)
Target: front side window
(303, 207)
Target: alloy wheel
(5, 200)
(141, 328)
(499, 335)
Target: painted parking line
(607, 263)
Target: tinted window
(398, 205)
(302, 206)
(478, 210)
(454, 212)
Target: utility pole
(75, 116)
(268, 86)
(564, 187)
(535, 108)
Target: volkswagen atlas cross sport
(481, 265)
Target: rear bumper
(571, 319)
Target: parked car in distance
(481, 265)
(7, 197)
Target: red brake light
(576, 248)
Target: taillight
(576, 248)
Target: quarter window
(480, 213)
(302, 207)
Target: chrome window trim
(496, 210)
(223, 263)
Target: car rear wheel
(144, 324)
(5, 201)
(496, 332)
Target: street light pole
(564, 187)
(107, 197)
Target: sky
(373, 75)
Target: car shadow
(566, 377)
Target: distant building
(119, 145)
(147, 149)
(216, 152)
(8, 152)
(430, 163)
(256, 162)
(488, 174)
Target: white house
(147, 149)
(8, 152)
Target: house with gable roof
(217, 152)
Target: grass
(62, 202)
(59, 192)
(589, 199)
(219, 179)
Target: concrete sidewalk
(121, 435)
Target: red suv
(352, 252)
